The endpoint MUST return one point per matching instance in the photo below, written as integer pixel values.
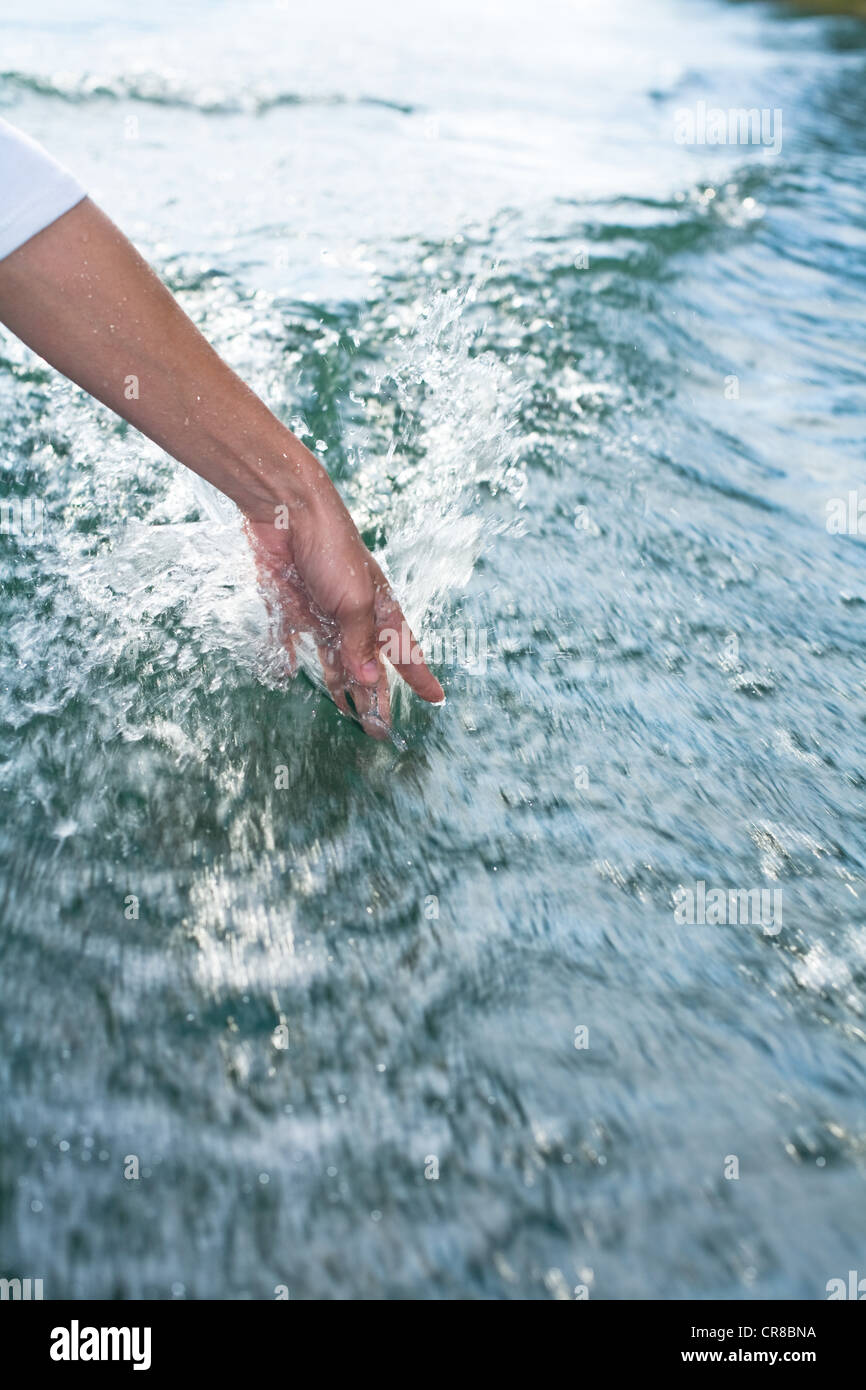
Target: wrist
(279, 473)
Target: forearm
(82, 297)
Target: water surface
(459, 250)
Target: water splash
(453, 438)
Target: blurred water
(460, 251)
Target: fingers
(371, 703)
(335, 680)
(373, 706)
(370, 631)
(404, 654)
(353, 634)
(289, 617)
(358, 645)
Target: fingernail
(370, 671)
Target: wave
(157, 89)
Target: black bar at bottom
(69, 1339)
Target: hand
(79, 293)
(319, 577)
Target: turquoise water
(589, 392)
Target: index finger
(398, 644)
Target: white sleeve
(34, 189)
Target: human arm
(80, 295)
